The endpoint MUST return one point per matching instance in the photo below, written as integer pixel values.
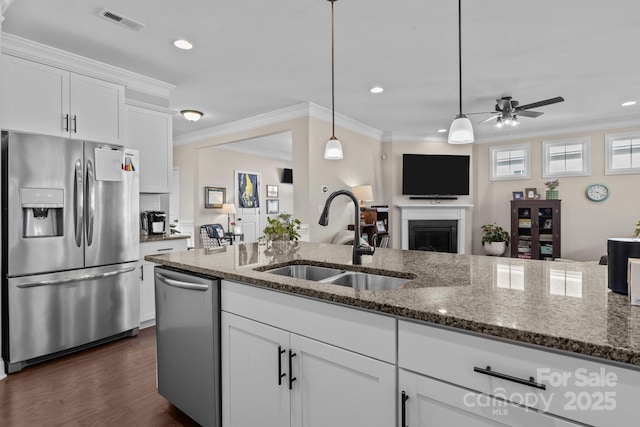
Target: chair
(213, 235)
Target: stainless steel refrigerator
(69, 246)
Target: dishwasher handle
(180, 284)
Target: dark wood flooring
(110, 385)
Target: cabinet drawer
(162, 246)
(576, 388)
(356, 330)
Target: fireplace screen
(434, 235)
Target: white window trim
(585, 141)
(527, 161)
(608, 142)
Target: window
(510, 162)
(622, 153)
(568, 157)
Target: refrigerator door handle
(75, 279)
(91, 201)
(78, 202)
(181, 284)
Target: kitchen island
(562, 308)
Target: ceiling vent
(122, 20)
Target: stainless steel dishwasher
(188, 343)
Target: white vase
(495, 248)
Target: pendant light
(461, 131)
(333, 149)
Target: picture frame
(530, 193)
(214, 197)
(273, 206)
(247, 185)
(380, 228)
(518, 195)
(272, 191)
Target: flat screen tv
(435, 175)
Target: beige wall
(360, 166)
(392, 168)
(585, 225)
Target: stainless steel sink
(371, 282)
(309, 272)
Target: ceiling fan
(508, 110)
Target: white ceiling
(255, 56)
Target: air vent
(122, 20)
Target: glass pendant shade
(333, 149)
(461, 130)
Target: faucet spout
(358, 249)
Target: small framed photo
(530, 193)
(380, 228)
(272, 191)
(214, 197)
(518, 195)
(273, 206)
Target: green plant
(636, 232)
(494, 233)
(282, 227)
(552, 184)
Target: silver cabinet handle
(76, 278)
(91, 201)
(183, 285)
(78, 201)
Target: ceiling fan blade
(488, 119)
(540, 103)
(529, 113)
(482, 112)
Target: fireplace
(452, 216)
(434, 235)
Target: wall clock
(597, 192)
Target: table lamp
(364, 193)
(228, 208)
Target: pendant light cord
(459, 54)
(333, 104)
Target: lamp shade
(363, 193)
(333, 149)
(228, 208)
(461, 130)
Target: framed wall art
(214, 197)
(273, 206)
(272, 191)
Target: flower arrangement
(552, 184)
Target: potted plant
(282, 228)
(552, 193)
(494, 239)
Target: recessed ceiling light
(628, 103)
(441, 130)
(376, 89)
(183, 44)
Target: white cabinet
(428, 402)
(147, 289)
(272, 376)
(151, 133)
(41, 99)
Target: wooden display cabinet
(374, 225)
(535, 229)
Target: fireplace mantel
(434, 211)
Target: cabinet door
(253, 393)
(147, 292)
(339, 388)
(96, 109)
(433, 403)
(35, 97)
(150, 132)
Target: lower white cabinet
(272, 377)
(428, 402)
(147, 289)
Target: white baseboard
(147, 323)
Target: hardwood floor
(110, 385)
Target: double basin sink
(336, 276)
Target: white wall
(585, 225)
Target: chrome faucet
(358, 249)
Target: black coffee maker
(153, 222)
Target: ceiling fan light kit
(461, 130)
(333, 148)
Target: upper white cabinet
(42, 99)
(151, 133)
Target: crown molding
(147, 106)
(306, 109)
(4, 5)
(411, 137)
(38, 52)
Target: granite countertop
(160, 237)
(559, 305)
